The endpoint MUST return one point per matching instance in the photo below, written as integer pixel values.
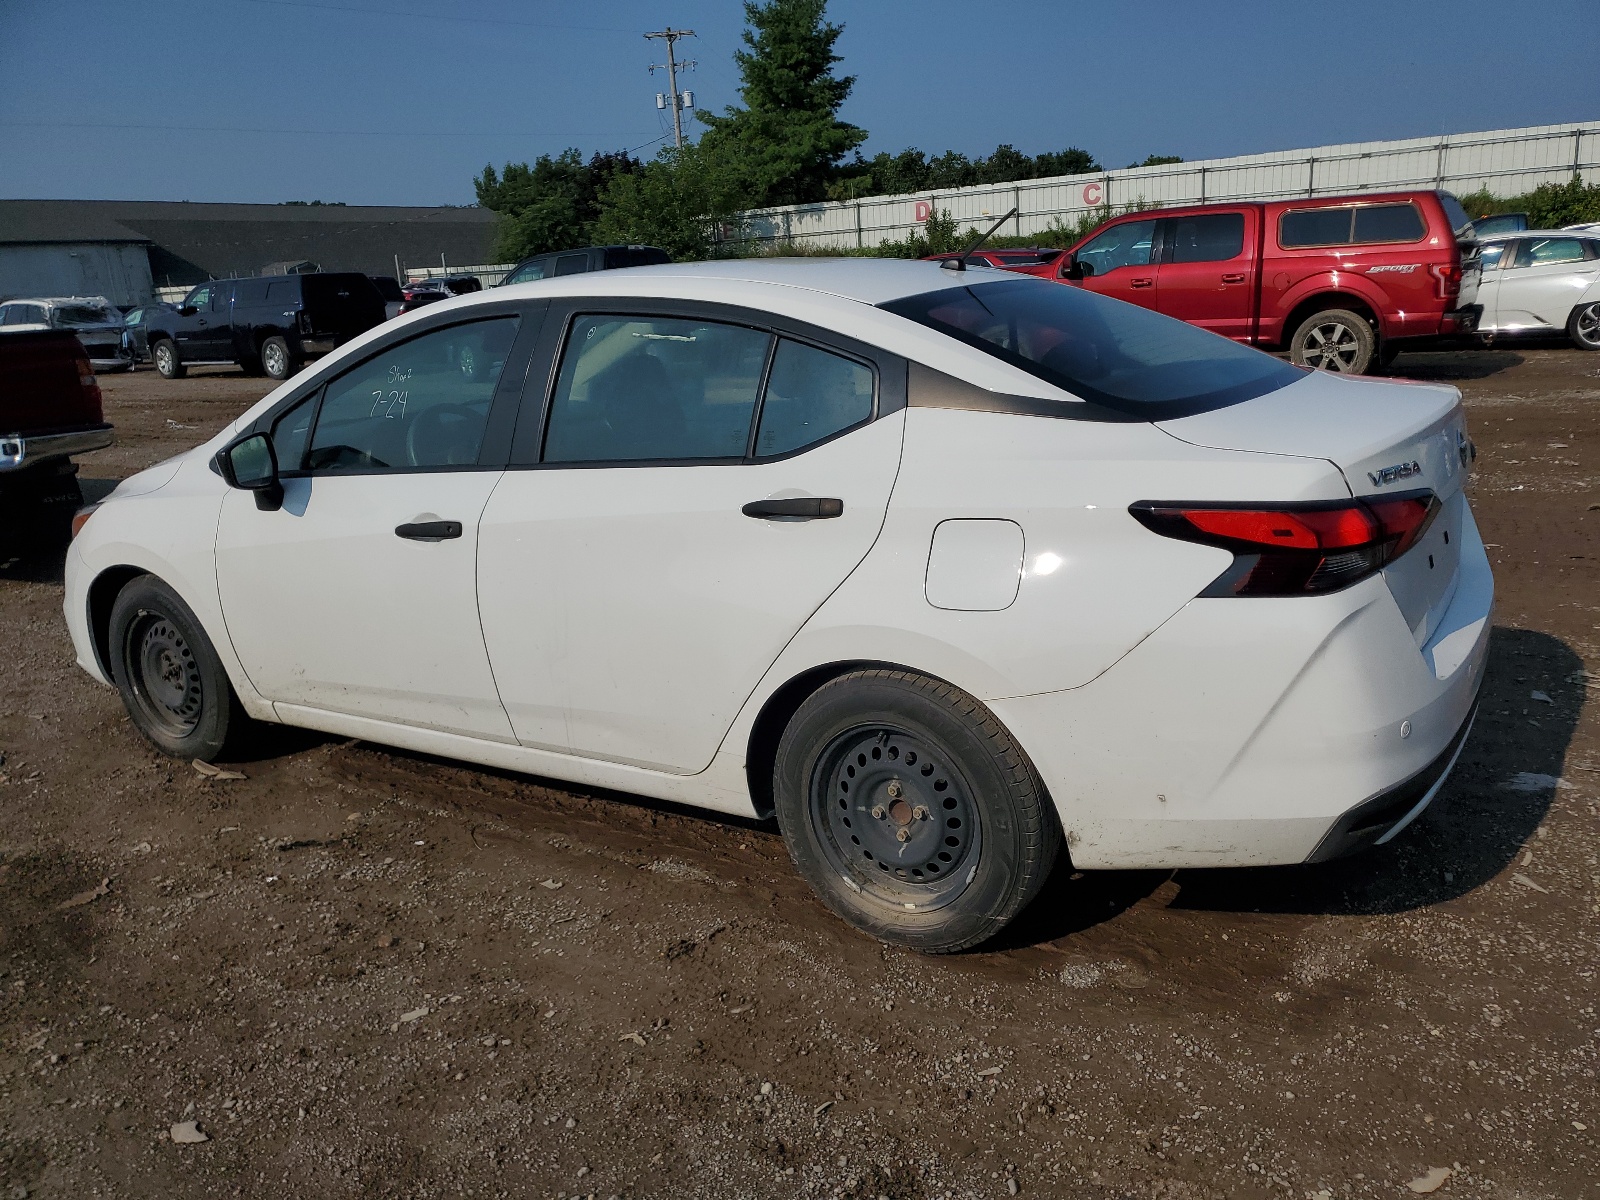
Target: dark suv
(268, 325)
(577, 262)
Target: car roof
(58, 301)
(1513, 234)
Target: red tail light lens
(1296, 549)
(1448, 276)
(91, 385)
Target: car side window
(1489, 257)
(5, 314)
(199, 299)
(419, 403)
(634, 388)
(527, 274)
(1388, 223)
(291, 432)
(811, 395)
(1214, 238)
(1124, 245)
(572, 264)
(1537, 252)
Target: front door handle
(1236, 278)
(429, 531)
(1140, 282)
(806, 508)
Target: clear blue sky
(374, 102)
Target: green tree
(552, 205)
(680, 201)
(1156, 160)
(788, 135)
(1070, 161)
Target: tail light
(1448, 276)
(1296, 549)
(302, 321)
(91, 385)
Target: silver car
(94, 319)
(1537, 281)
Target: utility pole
(671, 67)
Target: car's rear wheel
(911, 810)
(275, 358)
(165, 356)
(1334, 340)
(1583, 326)
(171, 680)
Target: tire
(1583, 326)
(911, 811)
(276, 360)
(170, 677)
(165, 355)
(1335, 339)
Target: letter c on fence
(922, 211)
(1091, 194)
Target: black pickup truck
(50, 409)
(268, 325)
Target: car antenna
(959, 263)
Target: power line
(475, 133)
(671, 36)
(388, 12)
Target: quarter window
(418, 404)
(811, 395)
(641, 388)
(1207, 239)
(1124, 245)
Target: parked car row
(93, 319)
(1339, 282)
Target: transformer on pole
(678, 100)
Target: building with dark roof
(124, 249)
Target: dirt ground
(367, 973)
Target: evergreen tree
(788, 133)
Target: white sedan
(1539, 282)
(953, 572)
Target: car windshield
(1119, 355)
(83, 316)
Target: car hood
(1384, 435)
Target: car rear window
(1124, 357)
(1460, 223)
(82, 316)
(1350, 224)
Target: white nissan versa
(950, 570)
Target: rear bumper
(318, 345)
(1262, 732)
(1461, 320)
(19, 451)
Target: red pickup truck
(1340, 282)
(50, 409)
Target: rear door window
(636, 388)
(572, 264)
(1534, 252)
(1210, 238)
(250, 293)
(422, 403)
(811, 395)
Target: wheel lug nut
(920, 812)
(877, 812)
(894, 789)
(902, 835)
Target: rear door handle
(1233, 278)
(809, 508)
(429, 531)
(1140, 282)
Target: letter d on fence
(922, 211)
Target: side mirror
(1076, 269)
(251, 465)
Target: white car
(951, 571)
(1540, 282)
(94, 319)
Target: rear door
(1207, 271)
(1541, 284)
(1123, 259)
(700, 484)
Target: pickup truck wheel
(1583, 326)
(165, 355)
(911, 811)
(1335, 340)
(275, 358)
(170, 677)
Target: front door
(1207, 272)
(359, 595)
(1122, 258)
(701, 488)
(198, 327)
(1538, 288)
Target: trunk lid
(1386, 438)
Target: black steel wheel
(911, 810)
(171, 680)
(1335, 340)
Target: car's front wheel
(911, 810)
(1583, 326)
(165, 356)
(1335, 340)
(170, 677)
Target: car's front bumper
(1255, 732)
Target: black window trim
(495, 449)
(1422, 219)
(888, 370)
